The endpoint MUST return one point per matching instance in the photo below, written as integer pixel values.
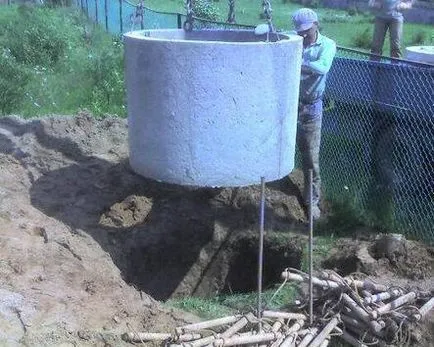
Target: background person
(318, 54)
(388, 17)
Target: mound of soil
(87, 245)
(85, 241)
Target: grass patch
(204, 308)
(64, 63)
(274, 298)
(321, 247)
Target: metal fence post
(106, 14)
(179, 20)
(120, 17)
(96, 11)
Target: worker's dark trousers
(308, 142)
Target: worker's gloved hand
(262, 29)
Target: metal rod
(261, 250)
(106, 14)
(121, 23)
(310, 248)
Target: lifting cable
(266, 6)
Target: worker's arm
(375, 4)
(405, 5)
(323, 64)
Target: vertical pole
(96, 11)
(120, 17)
(179, 21)
(106, 14)
(261, 251)
(87, 8)
(310, 250)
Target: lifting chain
(231, 14)
(266, 5)
(188, 24)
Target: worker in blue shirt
(318, 54)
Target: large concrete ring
(212, 107)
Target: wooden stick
(382, 296)
(347, 320)
(277, 325)
(284, 315)
(319, 339)
(200, 342)
(286, 275)
(326, 342)
(295, 327)
(235, 328)
(244, 340)
(361, 313)
(364, 285)
(308, 337)
(409, 297)
(207, 324)
(138, 337)
(428, 306)
(289, 341)
(347, 337)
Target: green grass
(336, 24)
(322, 245)
(70, 63)
(274, 298)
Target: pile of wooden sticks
(360, 312)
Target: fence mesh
(377, 153)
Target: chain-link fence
(377, 153)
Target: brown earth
(87, 246)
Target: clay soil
(89, 250)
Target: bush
(105, 68)
(419, 38)
(362, 40)
(13, 80)
(205, 9)
(34, 37)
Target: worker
(317, 58)
(388, 17)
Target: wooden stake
(207, 324)
(319, 339)
(284, 315)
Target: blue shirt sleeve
(325, 59)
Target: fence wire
(377, 153)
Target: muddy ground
(89, 249)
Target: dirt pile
(84, 240)
(86, 245)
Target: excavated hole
(166, 271)
(243, 269)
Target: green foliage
(321, 248)
(419, 38)
(205, 9)
(274, 298)
(205, 308)
(61, 63)
(363, 40)
(13, 80)
(105, 68)
(35, 36)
